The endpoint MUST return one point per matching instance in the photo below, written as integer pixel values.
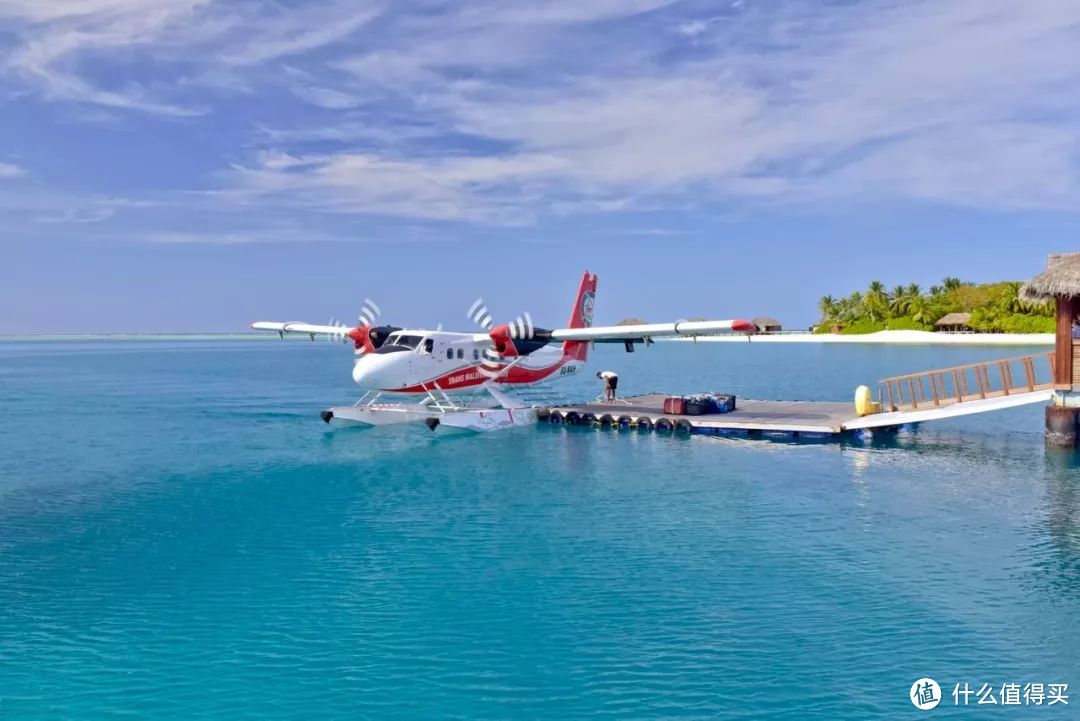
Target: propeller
(366, 337)
(503, 338)
(341, 334)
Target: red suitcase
(675, 406)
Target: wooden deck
(788, 417)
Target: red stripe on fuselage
(471, 376)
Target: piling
(1061, 426)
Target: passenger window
(449, 354)
(475, 354)
(429, 345)
(460, 353)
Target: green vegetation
(994, 308)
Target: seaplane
(463, 380)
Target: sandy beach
(890, 337)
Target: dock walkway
(907, 399)
(788, 417)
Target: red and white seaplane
(432, 367)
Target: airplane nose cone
(369, 371)
(362, 372)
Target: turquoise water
(180, 537)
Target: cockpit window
(408, 341)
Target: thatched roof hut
(632, 321)
(766, 324)
(954, 321)
(1061, 279)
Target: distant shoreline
(890, 337)
(885, 337)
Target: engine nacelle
(513, 339)
(370, 337)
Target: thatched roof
(632, 321)
(954, 319)
(1061, 278)
(764, 320)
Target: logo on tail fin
(588, 299)
(581, 316)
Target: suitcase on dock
(723, 403)
(694, 407)
(700, 405)
(675, 406)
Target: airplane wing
(622, 333)
(637, 333)
(298, 327)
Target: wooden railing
(945, 386)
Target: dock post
(1061, 426)
(1059, 284)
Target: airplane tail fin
(581, 316)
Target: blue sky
(193, 165)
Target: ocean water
(182, 538)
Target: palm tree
(951, 283)
(1010, 298)
(936, 290)
(876, 299)
(827, 306)
(853, 306)
(914, 290)
(899, 301)
(920, 310)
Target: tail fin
(581, 316)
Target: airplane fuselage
(418, 361)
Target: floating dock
(749, 417)
(901, 400)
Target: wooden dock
(750, 417)
(908, 399)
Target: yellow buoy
(864, 402)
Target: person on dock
(611, 382)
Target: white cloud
(10, 170)
(494, 112)
(918, 100)
(481, 189)
(244, 236)
(76, 215)
(56, 39)
(326, 97)
(297, 32)
(693, 28)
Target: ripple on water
(216, 561)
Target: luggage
(723, 403)
(675, 406)
(698, 406)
